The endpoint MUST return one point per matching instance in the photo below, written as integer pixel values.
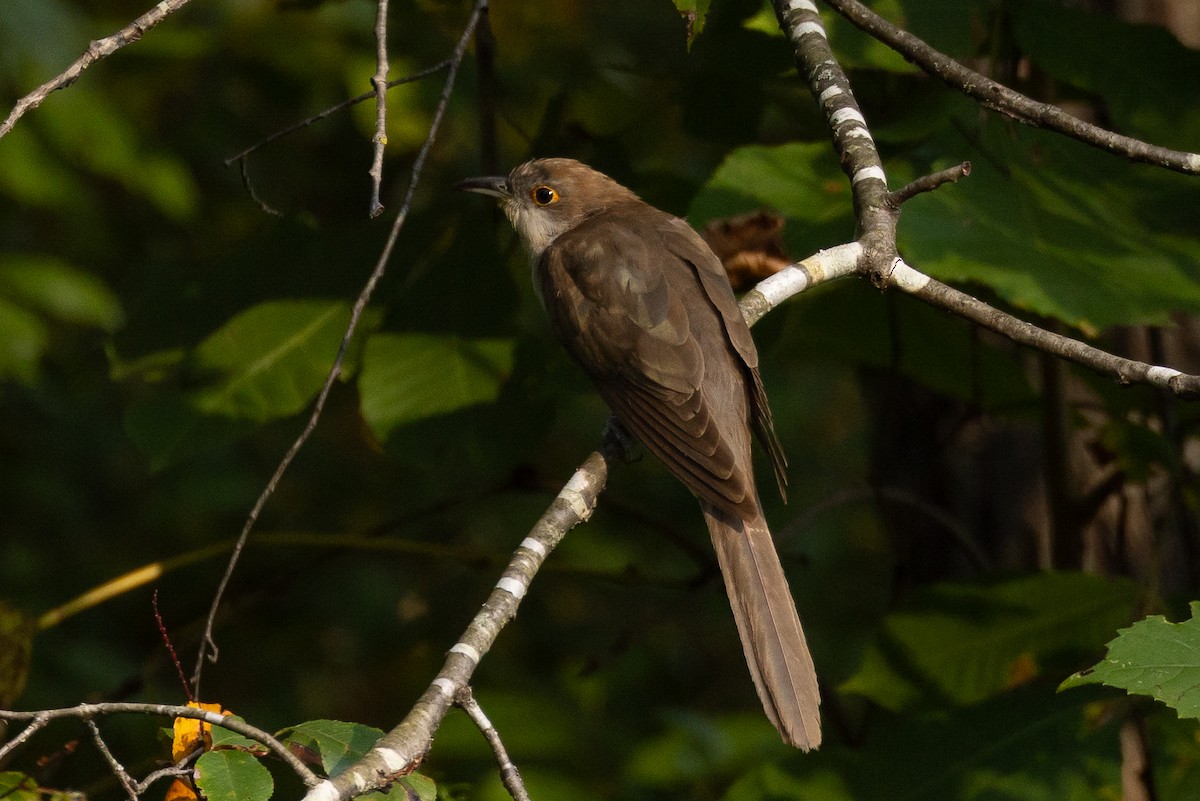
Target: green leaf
(89, 125)
(59, 291)
(857, 50)
(270, 360)
(16, 645)
(16, 786)
(265, 363)
(409, 377)
(693, 13)
(1077, 47)
(339, 745)
(799, 180)
(233, 776)
(23, 340)
(1153, 657)
(965, 643)
(770, 783)
(1060, 230)
(36, 291)
(224, 738)
(413, 787)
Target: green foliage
(37, 293)
(18, 787)
(693, 13)
(224, 738)
(228, 775)
(162, 338)
(337, 744)
(16, 643)
(1153, 657)
(1068, 243)
(1076, 47)
(964, 644)
(408, 377)
(264, 363)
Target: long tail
(766, 618)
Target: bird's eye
(544, 195)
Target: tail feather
(769, 627)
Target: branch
(856, 150)
(416, 76)
(98, 49)
(380, 84)
(878, 212)
(928, 183)
(360, 304)
(117, 768)
(89, 711)
(509, 775)
(1125, 371)
(1007, 101)
(398, 751)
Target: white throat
(536, 228)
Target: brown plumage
(644, 306)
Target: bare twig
(398, 750)
(509, 775)
(169, 772)
(166, 638)
(38, 722)
(98, 49)
(380, 84)
(1125, 371)
(360, 304)
(416, 76)
(244, 170)
(89, 711)
(117, 768)
(928, 183)
(1007, 101)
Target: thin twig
(928, 183)
(244, 170)
(96, 50)
(1007, 101)
(117, 768)
(166, 638)
(380, 84)
(169, 772)
(88, 711)
(1124, 371)
(360, 304)
(38, 722)
(416, 76)
(509, 775)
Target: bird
(644, 306)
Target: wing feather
(634, 324)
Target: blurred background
(968, 522)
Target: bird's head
(545, 197)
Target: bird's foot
(627, 446)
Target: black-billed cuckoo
(644, 306)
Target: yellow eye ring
(544, 195)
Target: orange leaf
(191, 733)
